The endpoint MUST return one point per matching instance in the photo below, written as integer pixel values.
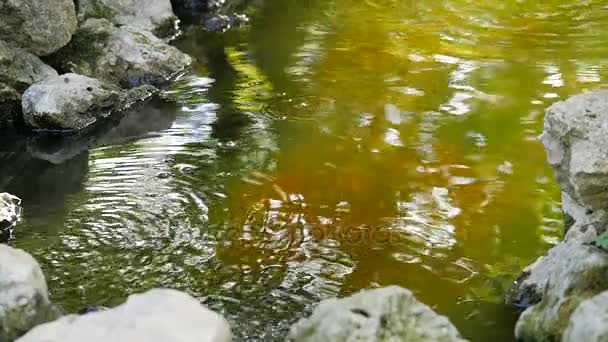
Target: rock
(215, 15)
(67, 102)
(152, 15)
(40, 27)
(553, 287)
(23, 294)
(127, 55)
(18, 70)
(589, 322)
(576, 139)
(58, 149)
(157, 315)
(10, 213)
(223, 22)
(387, 314)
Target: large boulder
(127, 55)
(576, 140)
(153, 15)
(18, 70)
(67, 102)
(155, 316)
(555, 285)
(40, 27)
(23, 294)
(589, 322)
(387, 314)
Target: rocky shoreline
(563, 291)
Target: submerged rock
(23, 294)
(127, 55)
(18, 70)
(215, 15)
(153, 15)
(157, 315)
(387, 314)
(10, 213)
(589, 322)
(40, 27)
(67, 102)
(553, 287)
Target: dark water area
(326, 147)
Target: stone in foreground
(152, 15)
(382, 315)
(554, 286)
(67, 102)
(127, 56)
(155, 316)
(23, 294)
(589, 322)
(38, 26)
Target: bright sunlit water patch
(329, 146)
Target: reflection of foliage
(253, 89)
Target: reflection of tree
(357, 73)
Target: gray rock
(67, 102)
(40, 27)
(387, 314)
(23, 294)
(127, 55)
(18, 70)
(156, 316)
(223, 22)
(10, 211)
(152, 15)
(59, 150)
(589, 322)
(576, 139)
(553, 287)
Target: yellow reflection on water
(406, 136)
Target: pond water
(327, 147)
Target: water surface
(329, 146)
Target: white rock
(67, 102)
(153, 15)
(388, 314)
(155, 316)
(576, 139)
(589, 322)
(10, 211)
(554, 285)
(23, 293)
